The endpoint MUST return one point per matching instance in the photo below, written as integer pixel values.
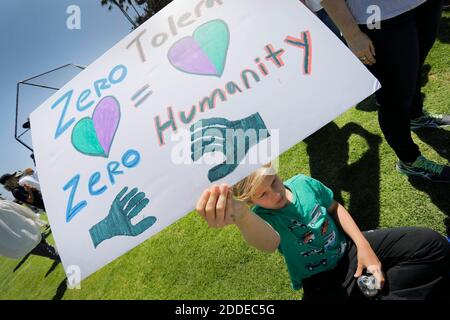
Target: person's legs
(397, 55)
(416, 262)
(43, 249)
(428, 17)
(329, 285)
(397, 68)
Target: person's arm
(357, 41)
(220, 209)
(366, 256)
(257, 232)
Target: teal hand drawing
(118, 221)
(233, 138)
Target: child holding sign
(324, 249)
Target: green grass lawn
(190, 261)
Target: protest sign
(126, 148)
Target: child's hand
(219, 208)
(368, 259)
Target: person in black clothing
(395, 52)
(25, 194)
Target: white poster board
(126, 120)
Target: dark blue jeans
(402, 44)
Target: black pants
(43, 249)
(415, 261)
(402, 44)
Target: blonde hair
(245, 189)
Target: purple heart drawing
(94, 136)
(106, 120)
(187, 56)
(203, 53)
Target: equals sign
(141, 95)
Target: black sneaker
(425, 168)
(430, 120)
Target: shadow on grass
(368, 105)
(328, 151)
(61, 290)
(424, 77)
(444, 30)
(438, 139)
(52, 268)
(24, 259)
(439, 194)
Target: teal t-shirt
(310, 240)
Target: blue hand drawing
(118, 221)
(233, 138)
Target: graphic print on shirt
(311, 252)
(330, 241)
(324, 227)
(297, 227)
(307, 238)
(315, 214)
(314, 265)
(313, 239)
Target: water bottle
(367, 284)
